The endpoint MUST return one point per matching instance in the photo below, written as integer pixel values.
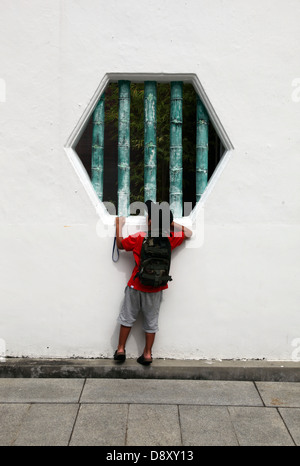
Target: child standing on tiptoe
(139, 297)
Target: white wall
(236, 296)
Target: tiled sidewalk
(137, 412)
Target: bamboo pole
(98, 147)
(201, 149)
(124, 149)
(176, 148)
(150, 100)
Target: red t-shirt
(134, 243)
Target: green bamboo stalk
(201, 149)
(124, 149)
(176, 148)
(150, 100)
(98, 147)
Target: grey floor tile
(259, 427)
(291, 417)
(47, 425)
(285, 394)
(40, 390)
(170, 392)
(153, 425)
(206, 426)
(100, 425)
(11, 418)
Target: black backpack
(155, 261)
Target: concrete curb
(249, 370)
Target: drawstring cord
(115, 251)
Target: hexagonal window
(150, 139)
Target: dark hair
(160, 215)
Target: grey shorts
(136, 301)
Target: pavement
(171, 405)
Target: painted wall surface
(234, 295)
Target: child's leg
(150, 308)
(123, 335)
(149, 337)
(127, 316)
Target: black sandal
(120, 356)
(144, 361)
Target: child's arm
(119, 225)
(186, 231)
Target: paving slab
(285, 394)
(291, 417)
(153, 412)
(11, 418)
(47, 425)
(202, 392)
(100, 424)
(206, 426)
(40, 390)
(153, 425)
(259, 426)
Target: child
(139, 297)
